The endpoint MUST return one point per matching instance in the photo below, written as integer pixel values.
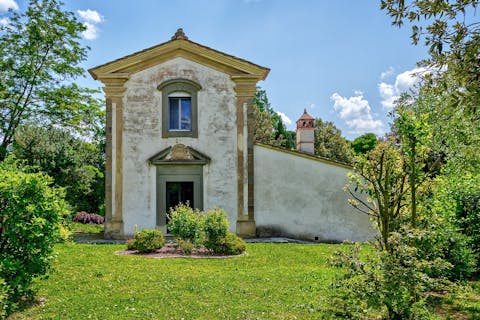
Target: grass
(78, 227)
(274, 281)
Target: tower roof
(306, 116)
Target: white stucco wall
(142, 138)
(303, 198)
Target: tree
(40, 55)
(74, 164)
(449, 92)
(329, 142)
(267, 121)
(378, 187)
(364, 143)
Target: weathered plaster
(303, 198)
(142, 138)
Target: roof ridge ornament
(179, 35)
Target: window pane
(186, 123)
(174, 113)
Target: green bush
(187, 224)
(186, 246)
(233, 244)
(216, 229)
(146, 241)
(381, 284)
(457, 200)
(4, 289)
(30, 218)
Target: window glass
(186, 123)
(180, 113)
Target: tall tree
(74, 164)
(268, 124)
(364, 143)
(329, 142)
(40, 55)
(449, 92)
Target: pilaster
(245, 88)
(114, 91)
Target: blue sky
(340, 59)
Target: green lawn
(274, 281)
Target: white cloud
(8, 4)
(91, 33)
(90, 15)
(404, 82)
(387, 73)
(356, 113)
(91, 19)
(286, 120)
(4, 22)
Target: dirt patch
(172, 251)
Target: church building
(180, 128)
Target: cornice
(180, 48)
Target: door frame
(177, 173)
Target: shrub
(216, 229)
(88, 218)
(233, 244)
(130, 244)
(186, 246)
(457, 200)
(30, 216)
(146, 241)
(4, 289)
(187, 224)
(383, 284)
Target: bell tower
(305, 133)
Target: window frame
(172, 87)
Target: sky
(341, 60)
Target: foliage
(452, 36)
(40, 54)
(393, 285)
(216, 228)
(458, 197)
(186, 246)
(269, 127)
(146, 241)
(88, 218)
(232, 244)
(74, 164)
(364, 143)
(30, 217)
(218, 239)
(377, 187)
(449, 92)
(4, 294)
(187, 224)
(329, 142)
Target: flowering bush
(88, 218)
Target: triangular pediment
(179, 154)
(179, 46)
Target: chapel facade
(180, 129)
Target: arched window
(179, 108)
